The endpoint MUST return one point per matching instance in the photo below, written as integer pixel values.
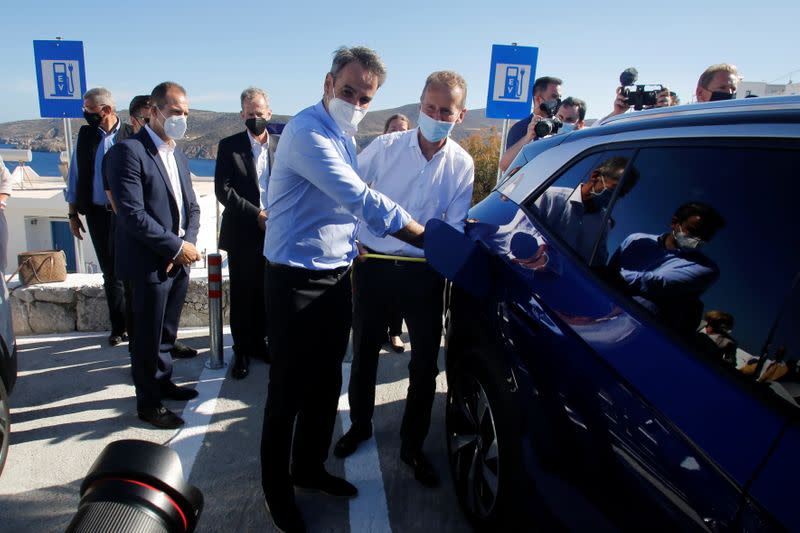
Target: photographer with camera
(638, 97)
(567, 116)
(546, 98)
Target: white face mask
(346, 115)
(686, 241)
(432, 129)
(174, 127)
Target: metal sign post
(215, 360)
(60, 77)
(511, 77)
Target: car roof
(784, 109)
(773, 117)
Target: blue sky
(215, 49)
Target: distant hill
(206, 128)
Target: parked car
(8, 370)
(584, 390)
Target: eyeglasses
(142, 120)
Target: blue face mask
(434, 130)
(600, 200)
(566, 127)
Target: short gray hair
(367, 57)
(450, 79)
(251, 93)
(100, 96)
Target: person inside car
(668, 273)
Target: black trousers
(100, 226)
(127, 286)
(381, 288)
(248, 316)
(157, 311)
(309, 326)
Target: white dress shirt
(166, 150)
(441, 188)
(261, 159)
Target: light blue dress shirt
(98, 192)
(656, 273)
(316, 198)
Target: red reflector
(215, 294)
(215, 277)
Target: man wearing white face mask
(668, 273)
(157, 223)
(316, 200)
(432, 176)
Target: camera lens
(137, 486)
(543, 128)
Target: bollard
(215, 360)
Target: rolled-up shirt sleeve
(317, 159)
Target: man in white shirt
(243, 165)
(158, 218)
(432, 177)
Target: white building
(37, 220)
(760, 88)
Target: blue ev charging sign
(61, 77)
(511, 78)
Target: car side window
(574, 206)
(705, 241)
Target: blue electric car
(623, 327)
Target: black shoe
(286, 516)
(114, 340)
(174, 392)
(423, 469)
(241, 366)
(325, 482)
(181, 351)
(349, 442)
(160, 417)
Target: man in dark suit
(158, 219)
(244, 161)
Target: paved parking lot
(74, 395)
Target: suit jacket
(147, 213)
(236, 187)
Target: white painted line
(369, 511)
(188, 440)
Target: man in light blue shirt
(316, 201)
(86, 196)
(668, 273)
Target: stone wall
(79, 304)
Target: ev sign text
(61, 77)
(511, 78)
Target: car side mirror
(457, 257)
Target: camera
(638, 96)
(138, 486)
(547, 126)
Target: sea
(46, 164)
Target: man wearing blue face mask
(571, 112)
(316, 201)
(432, 176)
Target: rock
(92, 310)
(19, 317)
(57, 295)
(45, 317)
